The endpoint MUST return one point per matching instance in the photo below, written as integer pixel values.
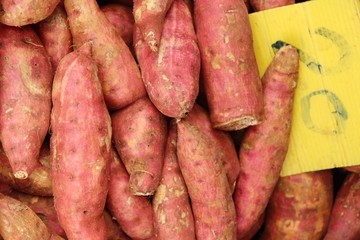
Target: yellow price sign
(326, 116)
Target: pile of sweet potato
(148, 119)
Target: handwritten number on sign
(340, 114)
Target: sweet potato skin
(149, 17)
(19, 222)
(133, 213)
(344, 220)
(172, 210)
(205, 178)
(25, 12)
(260, 5)
(300, 207)
(54, 32)
(43, 207)
(139, 134)
(231, 77)
(171, 75)
(122, 19)
(25, 97)
(113, 230)
(353, 169)
(80, 146)
(118, 72)
(39, 181)
(264, 146)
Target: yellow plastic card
(326, 116)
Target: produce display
(148, 119)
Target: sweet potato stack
(118, 117)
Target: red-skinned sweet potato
(171, 75)
(139, 134)
(353, 169)
(229, 70)
(300, 207)
(43, 207)
(173, 214)
(264, 146)
(38, 183)
(259, 5)
(122, 19)
(80, 146)
(25, 12)
(113, 230)
(55, 34)
(133, 213)
(25, 97)
(19, 222)
(118, 72)
(149, 17)
(344, 220)
(224, 146)
(205, 178)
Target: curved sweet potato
(264, 146)
(173, 215)
(344, 220)
(19, 222)
(80, 146)
(133, 213)
(25, 12)
(118, 72)
(300, 207)
(139, 133)
(25, 97)
(44, 208)
(171, 75)
(205, 178)
(55, 34)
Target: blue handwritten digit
(340, 114)
(311, 63)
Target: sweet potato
(259, 5)
(113, 230)
(118, 72)
(149, 17)
(264, 146)
(139, 134)
(300, 207)
(173, 214)
(25, 97)
(19, 222)
(229, 69)
(122, 19)
(344, 220)
(205, 178)
(39, 181)
(80, 146)
(55, 34)
(133, 213)
(24, 12)
(43, 207)
(354, 169)
(254, 229)
(171, 75)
